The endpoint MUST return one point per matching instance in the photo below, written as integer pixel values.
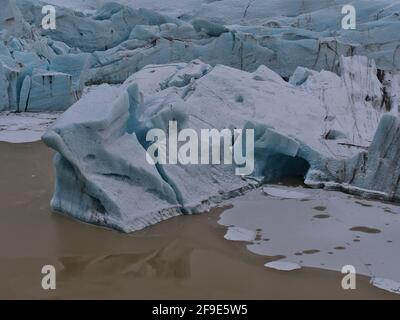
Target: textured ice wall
(309, 36)
(291, 33)
(121, 39)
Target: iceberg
(102, 173)
(106, 185)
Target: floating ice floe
(284, 193)
(240, 234)
(329, 231)
(282, 265)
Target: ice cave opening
(280, 167)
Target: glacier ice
(8, 87)
(101, 162)
(119, 38)
(310, 37)
(4, 103)
(109, 184)
(77, 66)
(12, 22)
(386, 284)
(375, 173)
(49, 91)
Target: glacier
(105, 42)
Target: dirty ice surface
(327, 230)
(24, 127)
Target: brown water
(183, 258)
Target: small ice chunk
(283, 265)
(386, 284)
(240, 234)
(284, 193)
